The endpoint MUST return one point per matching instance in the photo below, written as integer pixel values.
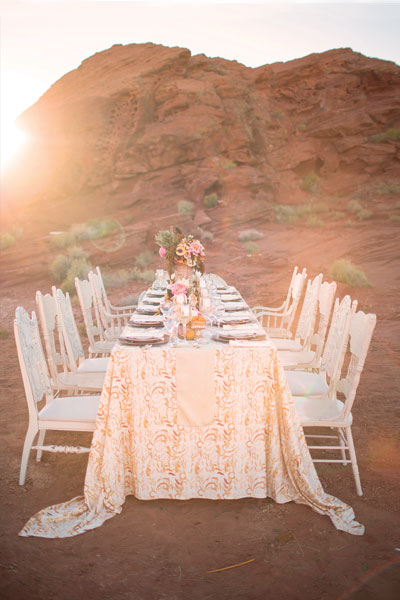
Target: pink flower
(196, 248)
(178, 288)
(162, 251)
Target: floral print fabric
(254, 447)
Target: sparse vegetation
(59, 267)
(355, 208)
(310, 183)
(314, 221)
(210, 200)
(395, 218)
(285, 214)
(205, 236)
(390, 134)
(278, 114)
(251, 248)
(144, 259)
(185, 207)
(250, 235)
(90, 230)
(130, 300)
(388, 188)
(229, 164)
(345, 271)
(80, 268)
(4, 333)
(6, 240)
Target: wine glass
(184, 318)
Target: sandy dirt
(166, 549)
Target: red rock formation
(148, 122)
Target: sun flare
(12, 140)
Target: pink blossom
(196, 248)
(178, 288)
(162, 251)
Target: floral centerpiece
(180, 249)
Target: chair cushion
(289, 359)
(71, 408)
(287, 344)
(82, 380)
(307, 384)
(94, 365)
(313, 410)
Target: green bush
(251, 248)
(143, 259)
(345, 271)
(206, 236)
(229, 164)
(6, 240)
(286, 214)
(337, 214)
(59, 267)
(63, 239)
(390, 134)
(314, 221)
(4, 333)
(354, 207)
(364, 214)
(80, 268)
(250, 235)
(185, 207)
(76, 252)
(310, 183)
(98, 228)
(210, 200)
(395, 218)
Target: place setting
(138, 320)
(139, 337)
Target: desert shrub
(81, 231)
(302, 126)
(210, 200)
(7, 240)
(80, 268)
(229, 164)
(206, 236)
(310, 183)
(59, 267)
(364, 214)
(63, 239)
(278, 114)
(337, 214)
(143, 259)
(251, 248)
(4, 333)
(345, 271)
(76, 252)
(147, 275)
(354, 207)
(250, 235)
(286, 214)
(314, 221)
(395, 218)
(98, 228)
(185, 207)
(390, 134)
(130, 300)
(389, 188)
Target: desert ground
(166, 549)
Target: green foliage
(185, 207)
(59, 267)
(314, 221)
(166, 238)
(390, 134)
(251, 248)
(210, 200)
(6, 240)
(364, 214)
(345, 271)
(286, 214)
(337, 214)
(79, 267)
(250, 235)
(76, 252)
(310, 183)
(395, 218)
(278, 114)
(4, 333)
(144, 258)
(354, 207)
(63, 239)
(206, 236)
(387, 188)
(99, 228)
(229, 164)
(302, 126)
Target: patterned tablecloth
(253, 447)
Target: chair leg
(353, 458)
(30, 436)
(341, 436)
(42, 433)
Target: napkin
(146, 318)
(234, 305)
(227, 297)
(131, 333)
(250, 343)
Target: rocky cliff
(147, 123)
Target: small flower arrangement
(180, 249)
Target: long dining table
(210, 420)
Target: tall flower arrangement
(179, 248)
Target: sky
(43, 40)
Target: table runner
(195, 393)
(255, 447)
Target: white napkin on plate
(131, 333)
(146, 318)
(234, 304)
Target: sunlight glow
(12, 140)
